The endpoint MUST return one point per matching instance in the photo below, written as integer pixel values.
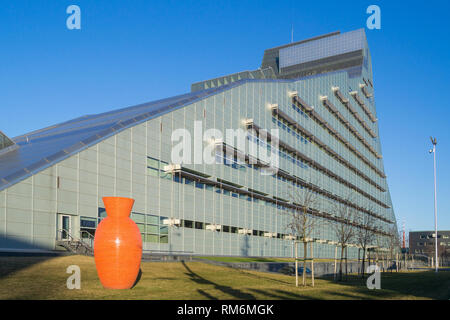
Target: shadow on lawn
(225, 289)
(270, 293)
(414, 284)
(23, 256)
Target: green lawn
(39, 278)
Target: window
(152, 167)
(151, 238)
(199, 185)
(151, 229)
(88, 223)
(153, 163)
(226, 228)
(141, 227)
(101, 214)
(151, 219)
(138, 217)
(198, 225)
(188, 224)
(164, 230)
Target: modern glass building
(317, 92)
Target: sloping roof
(41, 149)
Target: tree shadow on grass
(398, 285)
(280, 294)
(225, 289)
(262, 276)
(206, 294)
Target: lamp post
(434, 142)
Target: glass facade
(322, 48)
(328, 145)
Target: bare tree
(365, 235)
(393, 241)
(302, 222)
(343, 227)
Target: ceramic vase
(117, 245)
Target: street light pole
(434, 142)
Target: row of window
(431, 236)
(300, 110)
(231, 229)
(289, 129)
(208, 187)
(197, 184)
(420, 244)
(292, 129)
(281, 153)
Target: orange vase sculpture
(117, 245)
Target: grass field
(39, 278)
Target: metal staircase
(83, 246)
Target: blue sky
(137, 51)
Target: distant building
(423, 242)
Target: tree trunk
(340, 263)
(312, 264)
(346, 263)
(305, 250)
(363, 262)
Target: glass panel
(164, 239)
(199, 185)
(153, 163)
(153, 172)
(138, 217)
(166, 175)
(198, 225)
(86, 222)
(101, 213)
(141, 227)
(164, 230)
(65, 223)
(151, 219)
(188, 224)
(151, 229)
(151, 238)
